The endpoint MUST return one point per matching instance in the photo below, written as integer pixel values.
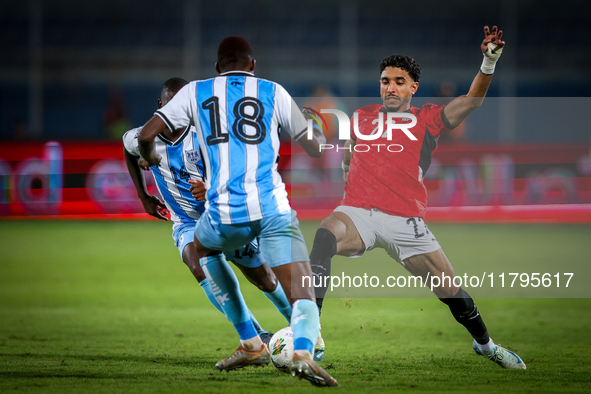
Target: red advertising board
(465, 183)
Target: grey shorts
(400, 237)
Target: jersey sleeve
(290, 117)
(432, 115)
(130, 141)
(178, 112)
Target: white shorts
(400, 237)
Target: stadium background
(81, 73)
(95, 305)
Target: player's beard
(397, 105)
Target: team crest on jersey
(193, 156)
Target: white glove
(492, 54)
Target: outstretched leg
(436, 265)
(462, 306)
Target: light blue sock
(207, 289)
(279, 299)
(226, 289)
(304, 324)
(209, 293)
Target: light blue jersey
(238, 118)
(181, 161)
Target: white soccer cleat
(319, 348)
(505, 358)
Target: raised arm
(459, 109)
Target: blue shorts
(280, 238)
(247, 256)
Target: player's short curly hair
(173, 85)
(234, 51)
(406, 63)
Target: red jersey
(388, 174)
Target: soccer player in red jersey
(385, 199)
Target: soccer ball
(281, 348)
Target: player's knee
(262, 277)
(445, 292)
(460, 304)
(267, 284)
(192, 262)
(325, 245)
(197, 271)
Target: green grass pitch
(110, 307)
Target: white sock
(488, 348)
(252, 344)
(303, 353)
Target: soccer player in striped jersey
(182, 164)
(238, 118)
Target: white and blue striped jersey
(238, 118)
(181, 161)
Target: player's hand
(143, 164)
(198, 190)
(154, 207)
(152, 160)
(494, 38)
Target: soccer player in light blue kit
(181, 166)
(238, 118)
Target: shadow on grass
(118, 367)
(129, 362)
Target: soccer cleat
(243, 358)
(319, 348)
(266, 337)
(505, 358)
(306, 368)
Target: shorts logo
(193, 156)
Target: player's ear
(217, 68)
(414, 87)
(253, 63)
(159, 103)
